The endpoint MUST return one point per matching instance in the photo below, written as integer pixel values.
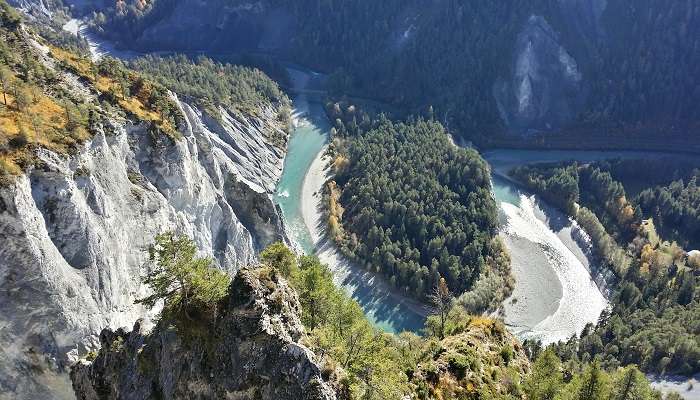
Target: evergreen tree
(546, 379)
(183, 281)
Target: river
(554, 296)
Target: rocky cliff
(252, 350)
(74, 227)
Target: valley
(246, 166)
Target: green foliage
(629, 384)
(183, 281)
(234, 86)
(365, 362)
(279, 256)
(546, 379)
(558, 185)
(547, 382)
(655, 317)
(422, 207)
(317, 293)
(676, 210)
(592, 384)
(340, 330)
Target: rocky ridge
(252, 350)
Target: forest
(451, 55)
(210, 82)
(655, 319)
(410, 205)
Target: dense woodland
(407, 203)
(236, 87)
(655, 319)
(451, 54)
(675, 209)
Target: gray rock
(74, 231)
(545, 89)
(251, 350)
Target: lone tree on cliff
(442, 301)
(183, 281)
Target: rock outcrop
(546, 88)
(74, 229)
(252, 350)
(482, 361)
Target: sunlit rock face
(74, 231)
(252, 350)
(546, 87)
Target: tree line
(654, 321)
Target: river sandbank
(383, 304)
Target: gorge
(75, 226)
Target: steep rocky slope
(74, 225)
(251, 351)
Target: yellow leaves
(482, 322)
(81, 65)
(8, 165)
(135, 104)
(40, 121)
(647, 253)
(340, 164)
(333, 225)
(335, 210)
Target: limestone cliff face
(74, 229)
(252, 350)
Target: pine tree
(546, 379)
(593, 383)
(180, 279)
(630, 384)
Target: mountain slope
(252, 351)
(95, 163)
(613, 72)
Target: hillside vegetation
(655, 319)
(236, 87)
(471, 357)
(40, 108)
(408, 204)
(33, 111)
(54, 97)
(450, 56)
